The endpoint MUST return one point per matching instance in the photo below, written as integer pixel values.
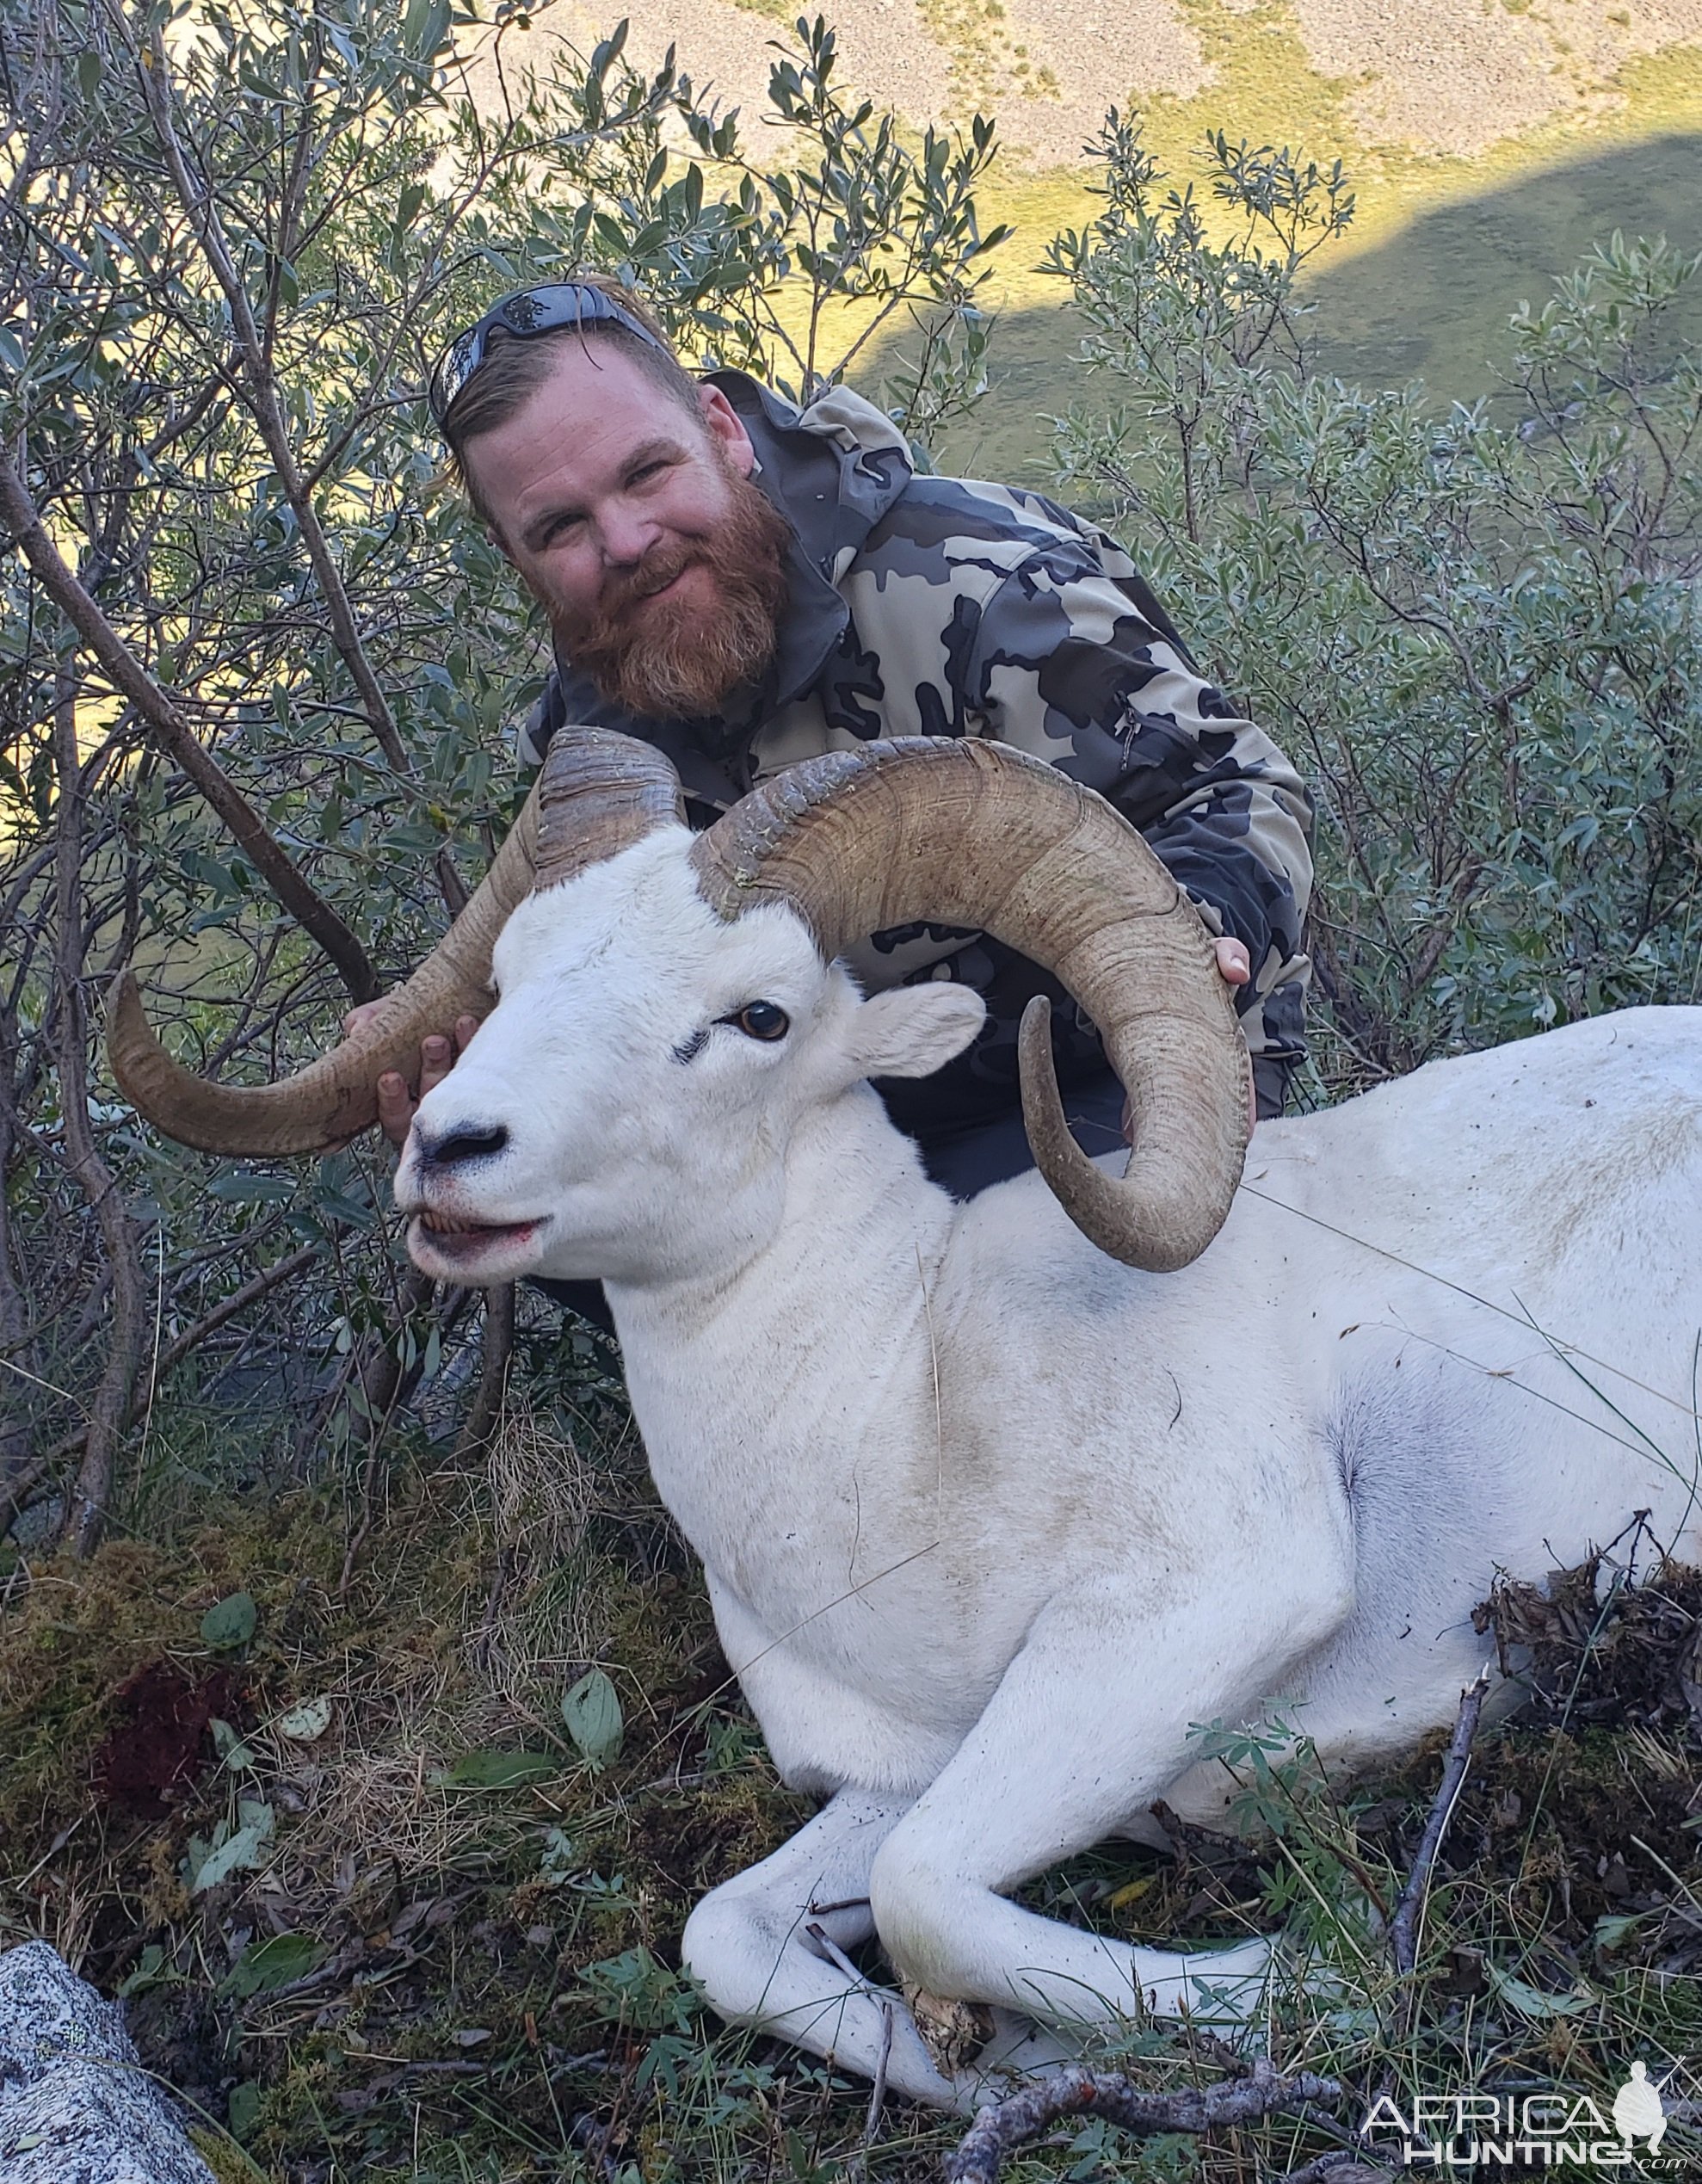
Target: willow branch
(1403, 1928)
(251, 1293)
(495, 1354)
(154, 75)
(167, 727)
(86, 1508)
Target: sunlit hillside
(1489, 142)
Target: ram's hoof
(953, 2033)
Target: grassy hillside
(1443, 248)
(1490, 143)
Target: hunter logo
(1507, 2131)
(1637, 2113)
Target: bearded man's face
(635, 525)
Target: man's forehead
(598, 377)
(593, 410)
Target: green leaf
(264, 1966)
(494, 1770)
(229, 1622)
(1531, 2003)
(240, 1187)
(243, 2108)
(149, 1969)
(231, 1748)
(558, 1859)
(424, 28)
(244, 1849)
(591, 1711)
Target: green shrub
(1478, 631)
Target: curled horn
(973, 833)
(597, 793)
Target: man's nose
(627, 535)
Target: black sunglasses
(527, 311)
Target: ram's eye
(760, 1020)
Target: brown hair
(515, 366)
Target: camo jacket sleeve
(1074, 661)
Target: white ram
(990, 1521)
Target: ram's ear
(911, 1031)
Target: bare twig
(379, 1373)
(1003, 2126)
(1403, 1926)
(496, 1349)
(16, 1492)
(877, 2093)
(86, 1512)
(14, 1329)
(256, 1287)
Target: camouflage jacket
(923, 606)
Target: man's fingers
(1233, 961)
(396, 1107)
(1237, 968)
(358, 1018)
(438, 1055)
(437, 1058)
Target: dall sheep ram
(990, 1520)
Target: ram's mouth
(452, 1238)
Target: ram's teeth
(446, 1225)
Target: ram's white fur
(990, 1523)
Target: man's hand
(1236, 967)
(437, 1058)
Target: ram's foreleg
(1089, 1726)
(768, 1949)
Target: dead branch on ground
(1005, 2125)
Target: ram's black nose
(459, 1147)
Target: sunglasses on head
(527, 311)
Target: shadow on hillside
(1432, 303)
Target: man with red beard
(745, 584)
